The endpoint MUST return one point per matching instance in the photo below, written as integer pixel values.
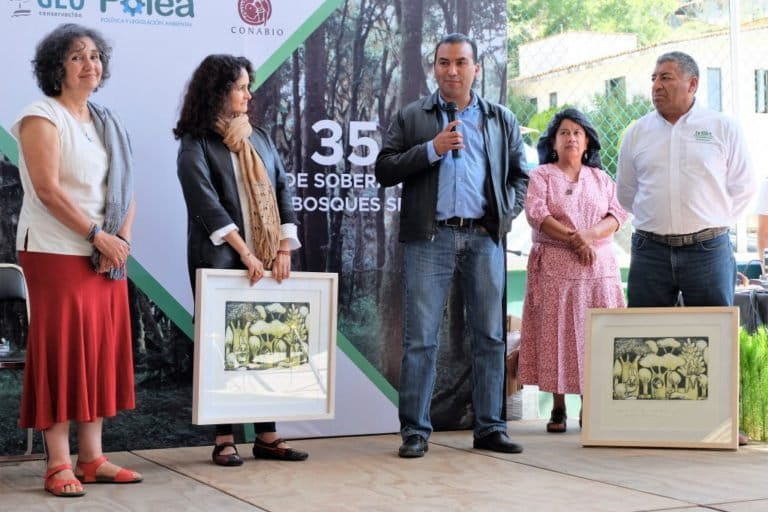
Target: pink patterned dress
(560, 289)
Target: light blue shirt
(461, 183)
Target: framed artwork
(662, 377)
(264, 352)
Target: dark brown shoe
(557, 422)
(262, 450)
(231, 459)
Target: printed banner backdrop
(330, 76)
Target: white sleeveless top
(82, 174)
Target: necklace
(86, 127)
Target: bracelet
(121, 237)
(92, 233)
(284, 252)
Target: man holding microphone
(462, 165)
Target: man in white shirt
(685, 174)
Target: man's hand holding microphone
(450, 139)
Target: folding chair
(13, 286)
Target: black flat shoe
(262, 450)
(557, 423)
(231, 459)
(413, 446)
(497, 442)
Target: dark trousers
(227, 430)
(704, 273)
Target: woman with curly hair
(572, 207)
(73, 240)
(239, 205)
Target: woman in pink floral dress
(572, 207)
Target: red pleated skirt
(79, 359)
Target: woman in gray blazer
(239, 206)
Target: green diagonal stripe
(160, 296)
(366, 367)
(8, 146)
(155, 291)
(302, 33)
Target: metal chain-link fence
(598, 56)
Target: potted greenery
(753, 360)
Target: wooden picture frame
(264, 352)
(662, 377)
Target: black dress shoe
(413, 446)
(498, 442)
(231, 459)
(262, 450)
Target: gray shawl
(119, 176)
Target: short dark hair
(546, 145)
(207, 93)
(685, 61)
(51, 54)
(457, 38)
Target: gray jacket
(403, 159)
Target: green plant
(753, 359)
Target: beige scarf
(262, 205)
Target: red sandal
(89, 476)
(56, 486)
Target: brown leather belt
(683, 240)
(459, 222)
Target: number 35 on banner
(355, 140)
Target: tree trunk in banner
(463, 16)
(263, 107)
(388, 259)
(451, 404)
(314, 225)
(384, 117)
(297, 143)
(333, 91)
(413, 84)
(446, 6)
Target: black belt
(459, 222)
(683, 240)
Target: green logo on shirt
(703, 136)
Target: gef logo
(75, 5)
(254, 12)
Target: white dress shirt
(684, 177)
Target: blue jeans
(429, 270)
(704, 273)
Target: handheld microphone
(451, 108)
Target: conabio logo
(254, 12)
(179, 8)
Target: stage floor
(364, 474)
